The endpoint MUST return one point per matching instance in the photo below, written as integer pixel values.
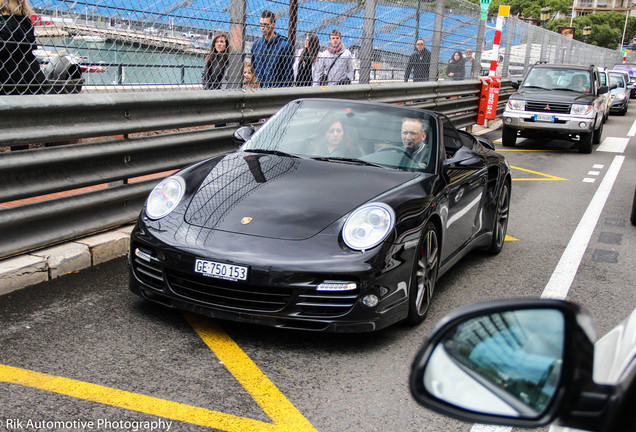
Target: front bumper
(618, 104)
(281, 289)
(560, 124)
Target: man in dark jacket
(419, 63)
(272, 56)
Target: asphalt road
(82, 353)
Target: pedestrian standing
(335, 64)
(455, 68)
(19, 68)
(272, 56)
(469, 61)
(216, 62)
(249, 78)
(306, 60)
(419, 63)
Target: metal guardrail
(110, 166)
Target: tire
(424, 276)
(585, 143)
(597, 134)
(633, 218)
(508, 136)
(500, 226)
(625, 110)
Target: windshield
(558, 79)
(630, 69)
(617, 81)
(351, 132)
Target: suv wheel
(508, 136)
(585, 143)
(596, 138)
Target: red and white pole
(504, 11)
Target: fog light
(582, 125)
(507, 120)
(370, 300)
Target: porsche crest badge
(246, 220)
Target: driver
(414, 137)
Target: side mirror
(522, 363)
(243, 133)
(603, 89)
(516, 84)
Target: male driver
(468, 64)
(272, 56)
(419, 63)
(414, 140)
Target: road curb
(50, 263)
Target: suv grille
(563, 108)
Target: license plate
(544, 118)
(220, 270)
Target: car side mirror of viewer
(523, 362)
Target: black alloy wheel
(424, 275)
(501, 220)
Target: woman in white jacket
(334, 65)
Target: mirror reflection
(505, 363)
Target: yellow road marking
(262, 390)
(543, 176)
(285, 417)
(132, 401)
(510, 238)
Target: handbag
(324, 78)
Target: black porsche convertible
(335, 215)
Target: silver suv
(557, 101)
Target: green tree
(607, 28)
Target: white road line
(632, 130)
(613, 145)
(559, 284)
(589, 180)
(562, 277)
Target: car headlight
(368, 226)
(165, 197)
(620, 96)
(518, 105)
(578, 109)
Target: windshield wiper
(274, 152)
(346, 159)
(536, 87)
(569, 89)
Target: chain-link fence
(123, 45)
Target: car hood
(563, 96)
(284, 197)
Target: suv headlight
(165, 197)
(578, 109)
(368, 226)
(517, 105)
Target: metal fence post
(237, 44)
(529, 42)
(366, 47)
(436, 44)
